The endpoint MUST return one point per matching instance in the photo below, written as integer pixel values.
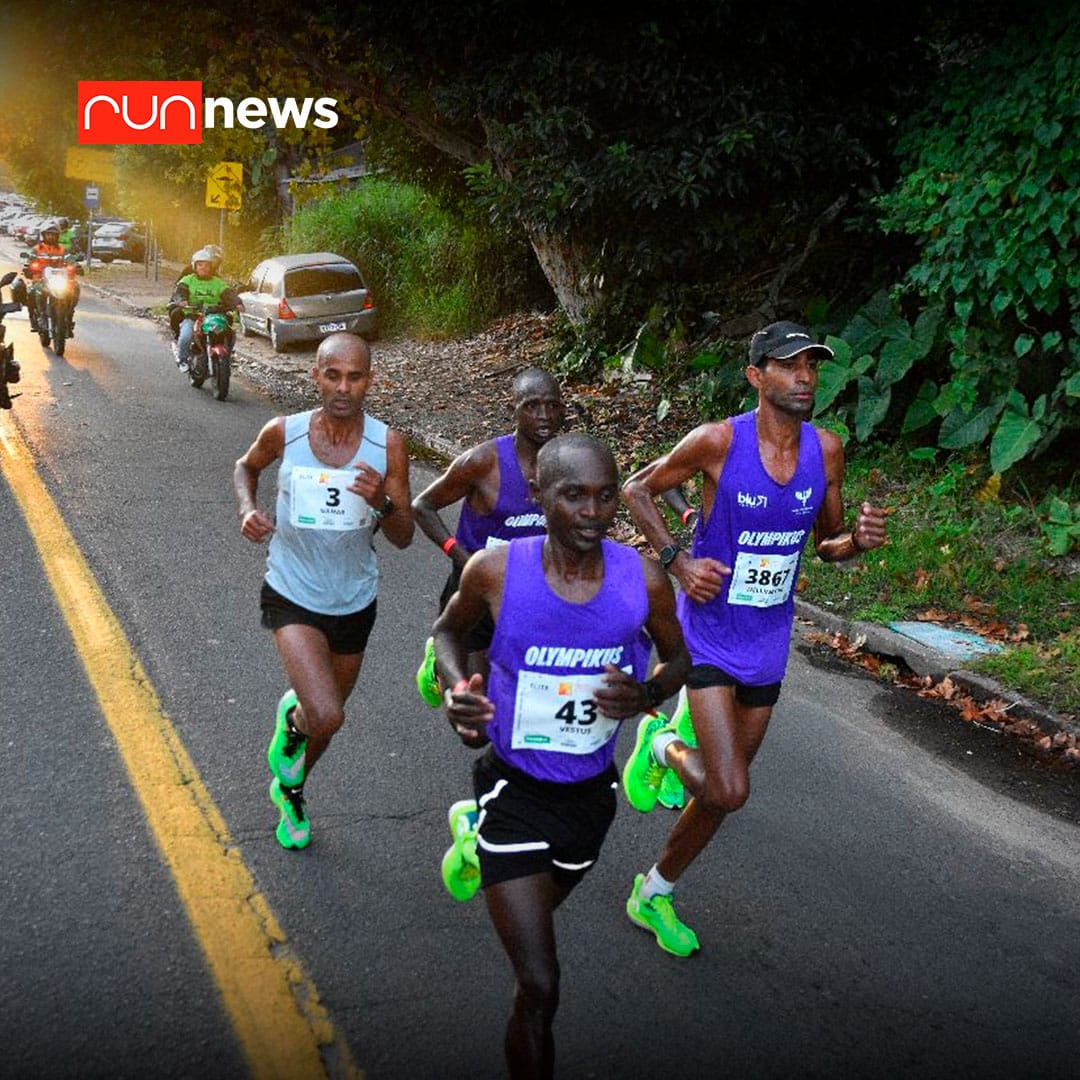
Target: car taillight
(284, 311)
(369, 302)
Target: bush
(433, 272)
(990, 194)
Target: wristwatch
(668, 553)
(385, 510)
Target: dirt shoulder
(444, 395)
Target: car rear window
(312, 280)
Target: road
(877, 910)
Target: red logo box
(140, 112)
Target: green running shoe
(658, 915)
(294, 828)
(643, 773)
(285, 754)
(460, 864)
(672, 792)
(427, 682)
(684, 726)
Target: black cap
(781, 341)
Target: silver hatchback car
(305, 297)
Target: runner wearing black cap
(769, 478)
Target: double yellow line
(283, 1028)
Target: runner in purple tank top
(769, 479)
(492, 479)
(567, 667)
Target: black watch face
(667, 556)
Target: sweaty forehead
(344, 354)
(537, 386)
(590, 466)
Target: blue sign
(92, 197)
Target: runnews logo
(115, 113)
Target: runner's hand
(469, 711)
(869, 531)
(701, 579)
(620, 696)
(256, 526)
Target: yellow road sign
(82, 163)
(225, 185)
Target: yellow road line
(282, 1026)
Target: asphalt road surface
(881, 908)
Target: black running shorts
(529, 826)
(703, 675)
(346, 634)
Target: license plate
(330, 327)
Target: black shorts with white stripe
(529, 826)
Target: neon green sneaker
(643, 773)
(672, 793)
(460, 864)
(294, 827)
(684, 726)
(658, 915)
(286, 752)
(427, 682)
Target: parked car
(293, 298)
(119, 240)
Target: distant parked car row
(113, 238)
(293, 298)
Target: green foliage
(1061, 529)
(964, 547)
(991, 194)
(433, 272)
(1046, 671)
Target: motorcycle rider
(47, 252)
(195, 293)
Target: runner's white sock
(660, 744)
(655, 885)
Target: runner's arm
(268, 446)
(398, 525)
(833, 540)
(468, 709)
(702, 450)
(460, 481)
(623, 696)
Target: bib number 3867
(762, 580)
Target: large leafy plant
(991, 193)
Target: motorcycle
(53, 289)
(56, 319)
(9, 366)
(211, 352)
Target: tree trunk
(567, 267)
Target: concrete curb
(878, 639)
(886, 643)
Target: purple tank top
(758, 528)
(545, 655)
(514, 514)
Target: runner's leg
(521, 911)
(717, 773)
(322, 680)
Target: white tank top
(321, 556)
